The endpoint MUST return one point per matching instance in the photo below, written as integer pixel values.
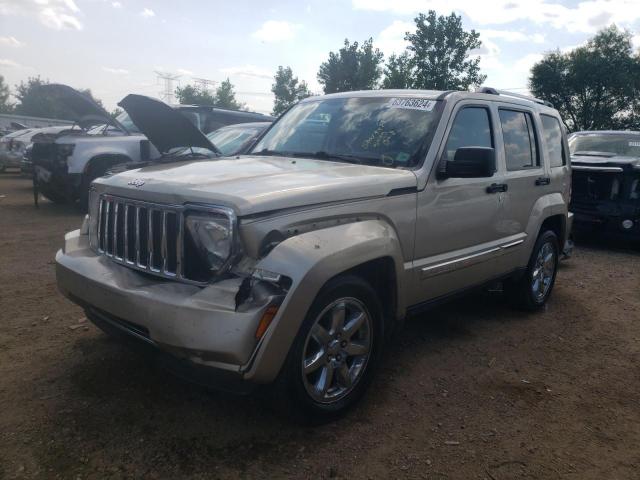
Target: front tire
(532, 290)
(336, 351)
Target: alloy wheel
(336, 350)
(543, 271)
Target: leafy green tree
(595, 86)
(353, 67)
(194, 95)
(398, 72)
(5, 105)
(440, 53)
(226, 97)
(39, 102)
(287, 90)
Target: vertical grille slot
(130, 235)
(119, 230)
(144, 236)
(156, 236)
(172, 243)
(108, 231)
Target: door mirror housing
(470, 162)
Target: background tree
(439, 54)
(5, 105)
(194, 95)
(595, 86)
(226, 97)
(115, 112)
(39, 102)
(398, 72)
(287, 90)
(353, 67)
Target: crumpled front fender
(310, 260)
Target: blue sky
(114, 46)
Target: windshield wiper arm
(266, 151)
(322, 155)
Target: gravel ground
(471, 390)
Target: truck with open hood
(606, 183)
(65, 164)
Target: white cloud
(525, 63)
(58, 20)
(54, 14)
(586, 16)
(147, 13)
(248, 71)
(511, 36)
(11, 42)
(116, 71)
(391, 39)
(275, 31)
(116, 4)
(5, 62)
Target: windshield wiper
(266, 151)
(322, 155)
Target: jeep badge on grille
(138, 182)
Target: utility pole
(167, 94)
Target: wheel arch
(108, 159)
(369, 249)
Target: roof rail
(494, 91)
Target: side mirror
(470, 162)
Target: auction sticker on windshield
(412, 103)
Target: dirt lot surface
(472, 390)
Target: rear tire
(335, 353)
(532, 290)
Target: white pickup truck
(65, 164)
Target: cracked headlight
(209, 244)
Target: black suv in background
(606, 183)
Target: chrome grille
(141, 235)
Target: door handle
(543, 181)
(497, 187)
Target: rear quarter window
(552, 132)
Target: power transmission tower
(167, 94)
(204, 83)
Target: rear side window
(471, 128)
(520, 145)
(552, 132)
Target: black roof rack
(494, 91)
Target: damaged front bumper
(212, 328)
(613, 220)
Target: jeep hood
(83, 109)
(257, 184)
(164, 126)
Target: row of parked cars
(289, 265)
(65, 160)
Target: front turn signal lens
(265, 321)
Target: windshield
(127, 123)
(382, 131)
(618, 144)
(230, 140)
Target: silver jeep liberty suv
(293, 264)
